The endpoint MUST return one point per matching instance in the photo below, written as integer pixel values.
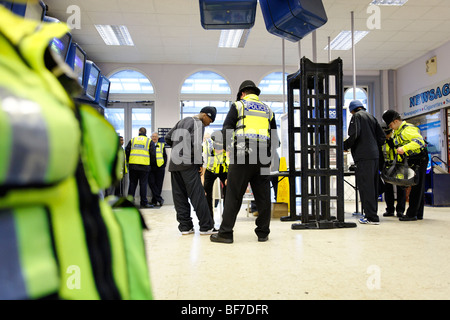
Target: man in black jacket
(365, 140)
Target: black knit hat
(210, 112)
(390, 115)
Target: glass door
(128, 117)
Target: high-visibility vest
(215, 162)
(139, 153)
(60, 238)
(409, 138)
(253, 119)
(159, 150)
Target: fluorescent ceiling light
(389, 2)
(115, 35)
(233, 38)
(343, 40)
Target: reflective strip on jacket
(409, 138)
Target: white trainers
(187, 232)
(365, 221)
(211, 231)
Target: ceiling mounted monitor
(227, 14)
(293, 19)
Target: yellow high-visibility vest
(159, 154)
(254, 119)
(139, 151)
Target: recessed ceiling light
(233, 38)
(389, 2)
(343, 40)
(115, 35)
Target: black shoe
(406, 218)
(161, 203)
(388, 214)
(147, 206)
(263, 239)
(399, 214)
(217, 238)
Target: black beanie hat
(210, 112)
(390, 115)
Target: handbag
(400, 174)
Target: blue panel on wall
(293, 19)
(227, 14)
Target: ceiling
(170, 32)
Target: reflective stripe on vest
(253, 120)
(215, 162)
(139, 151)
(400, 140)
(159, 154)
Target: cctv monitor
(76, 59)
(91, 80)
(103, 95)
(61, 45)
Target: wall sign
(425, 100)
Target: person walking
(249, 130)
(365, 140)
(389, 154)
(138, 158)
(409, 142)
(158, 160)
(185, 166)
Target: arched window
(130, 82)
(205, 82)
(131, 103)
(361, 95)
(206, 88)
(272, 93)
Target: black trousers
(417, 194)
(208, 184)
(155, 182)
(367, 177)
(390, 199)
(186, 185)
(239, 175)
(141, 177)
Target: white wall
(413, 76)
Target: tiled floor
(393, 260)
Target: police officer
(365, 140)
(216, 166)
(252, 125)
(158, 160)
(409, 142)
(389, 154)
(138, 159)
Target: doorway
(127, 118)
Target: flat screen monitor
(61, 45)
(6, 4)
(34, 11)
(91, 80)
(76, 59)
(104, 92)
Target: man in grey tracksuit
(185, 166)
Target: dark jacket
(365, 136)
(186, 139)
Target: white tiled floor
(394, 260)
